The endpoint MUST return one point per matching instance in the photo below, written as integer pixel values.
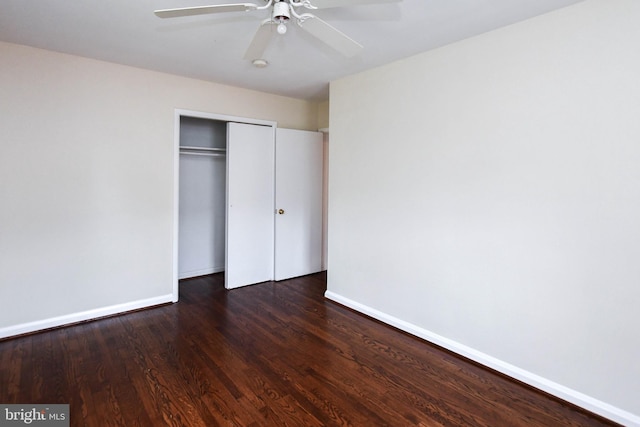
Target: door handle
(281, 211)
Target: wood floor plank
(273, 354)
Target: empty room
(320, 212)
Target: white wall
(86, 181)
(487, 195)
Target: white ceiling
(212, 47)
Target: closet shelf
(203, 151)
(217, 150)
(195, 153)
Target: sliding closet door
(250, 204)
(298, 203)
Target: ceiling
(211, 47)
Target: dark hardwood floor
(266, 355)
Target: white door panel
(298, 232)
(250, 205)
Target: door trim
(176, 172)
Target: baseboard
(196, 273)
(39, 325)
(594, 405)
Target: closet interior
(202, 187)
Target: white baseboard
(594, 405)
(53, 322)
(196, 273)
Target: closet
(202, 186)
(250, 201)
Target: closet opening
(202, 186)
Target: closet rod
(191, 153)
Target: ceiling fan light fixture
(281, 14)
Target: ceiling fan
(283, 11)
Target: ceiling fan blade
(331, 36)
(204, 10)
(325, 4)
(260, 41)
